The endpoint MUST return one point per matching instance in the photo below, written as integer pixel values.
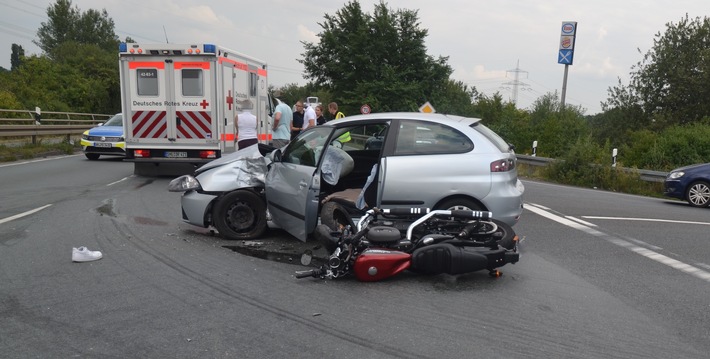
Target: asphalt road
(602, 275)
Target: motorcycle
(386, 242)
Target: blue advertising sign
(565, 57)
(567, 40)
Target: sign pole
(565, 54)
(564, 88)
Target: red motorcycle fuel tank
(376, 264)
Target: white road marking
(581, 221)
(647, 220)
(660, 258)
(121, 180)
(11, 218)
(34, 161)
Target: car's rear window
(491, 136)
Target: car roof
(416, 116)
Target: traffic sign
(365, 109)
(427, 108)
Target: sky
(488, 43)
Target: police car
(106, 139)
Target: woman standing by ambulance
(245, 126)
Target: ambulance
(179, 101)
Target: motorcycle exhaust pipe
(324, 236)
(447, 258)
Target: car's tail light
(141, 153)
(503, 165)
(208, 154)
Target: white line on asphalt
(647, 220)
(121, 180)
(581, 221)
(8, 219)
(660, 258)
(33, 161)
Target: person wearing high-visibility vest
(333, 109)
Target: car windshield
(116, 120)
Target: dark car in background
(690, 183)
(106, 139)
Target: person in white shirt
(309, 118)
(245, 126)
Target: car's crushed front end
(245, 168)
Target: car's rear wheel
(459, 204)
(240, 215)
(698, 194)
(92, 156)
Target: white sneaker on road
(83, 254)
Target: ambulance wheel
(336, 217)
(240, 215)
(92, 156)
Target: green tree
(16, 58)
(670, 83)
(67, 23)
(555, 128)
(378, 59)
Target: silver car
(421, 160)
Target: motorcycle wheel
(335, 216)
(504, 233)
(240, 215)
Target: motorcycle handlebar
(485, 215)
(315, 273)
(405, 211)
(447, 213)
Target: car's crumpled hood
(244, 168)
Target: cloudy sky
(486, 41)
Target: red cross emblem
(230, 99)
(204, 104)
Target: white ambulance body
(179, 101)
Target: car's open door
(293, 183)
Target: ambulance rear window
(192, 82)
(147, 82)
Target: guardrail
(51, 124)
(644, 175)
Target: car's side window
(423, 138)
(306, 148)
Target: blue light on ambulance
(210, 49)
(122, 47)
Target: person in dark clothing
(297, 122)
(319, 115)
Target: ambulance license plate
(102, 144)
(172, 154)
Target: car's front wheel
(698, 194)
(336, 217)
(92, 156)
(240, 215)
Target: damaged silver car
(461, 165)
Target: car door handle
(302, 184)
